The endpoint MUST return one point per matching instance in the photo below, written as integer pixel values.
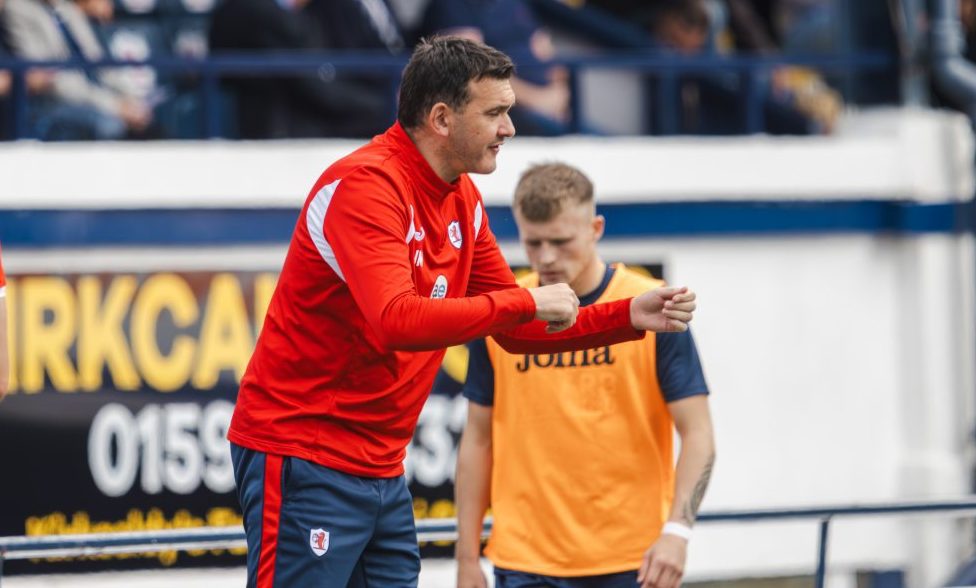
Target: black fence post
(668, 108)
(822, 553)
(755, 99)
(212, 111)
(18, 107)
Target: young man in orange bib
(573, 451)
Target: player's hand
(556, 304)
(663, 310)
(135, 114)
(470, 575)
(664, 563)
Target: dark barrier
(749, 72)
(446, 529)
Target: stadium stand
(724, 82)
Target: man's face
(101, 10)
(562, 248)
(681, 35)
(967, 13)
(481, 126)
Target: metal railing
(751, 71)
(30, 547)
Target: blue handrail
(372, 62)
(666, 66)
(26, 547)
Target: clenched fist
(663, 310)
(558, 305)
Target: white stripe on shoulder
(315, 219)
(479, 214)
(412, 228)
(3, 291)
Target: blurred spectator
(409, 15)
(751, 25)
(791, 26)
(542, 90)
(967, 22)
(360, 25)
(808, 26)
(74, 104)
(623, 9)
(357, 24)
(292, 106)
(806, 90)
(6, 87)
(139, 82)
(36, 80)
(795, 100)
(99, 11)
(757, 25)
(680, 26)
(967, 17)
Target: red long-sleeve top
(388, 265)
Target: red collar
(424, 174)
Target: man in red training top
(391, 261)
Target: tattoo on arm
(690, 509)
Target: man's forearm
(692, 475)
(472, 496)
(597, 325)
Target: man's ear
(599, 224)
(439, 119)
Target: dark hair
(691, 13)
(544, 190)
(439, 71)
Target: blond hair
(544, 191)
